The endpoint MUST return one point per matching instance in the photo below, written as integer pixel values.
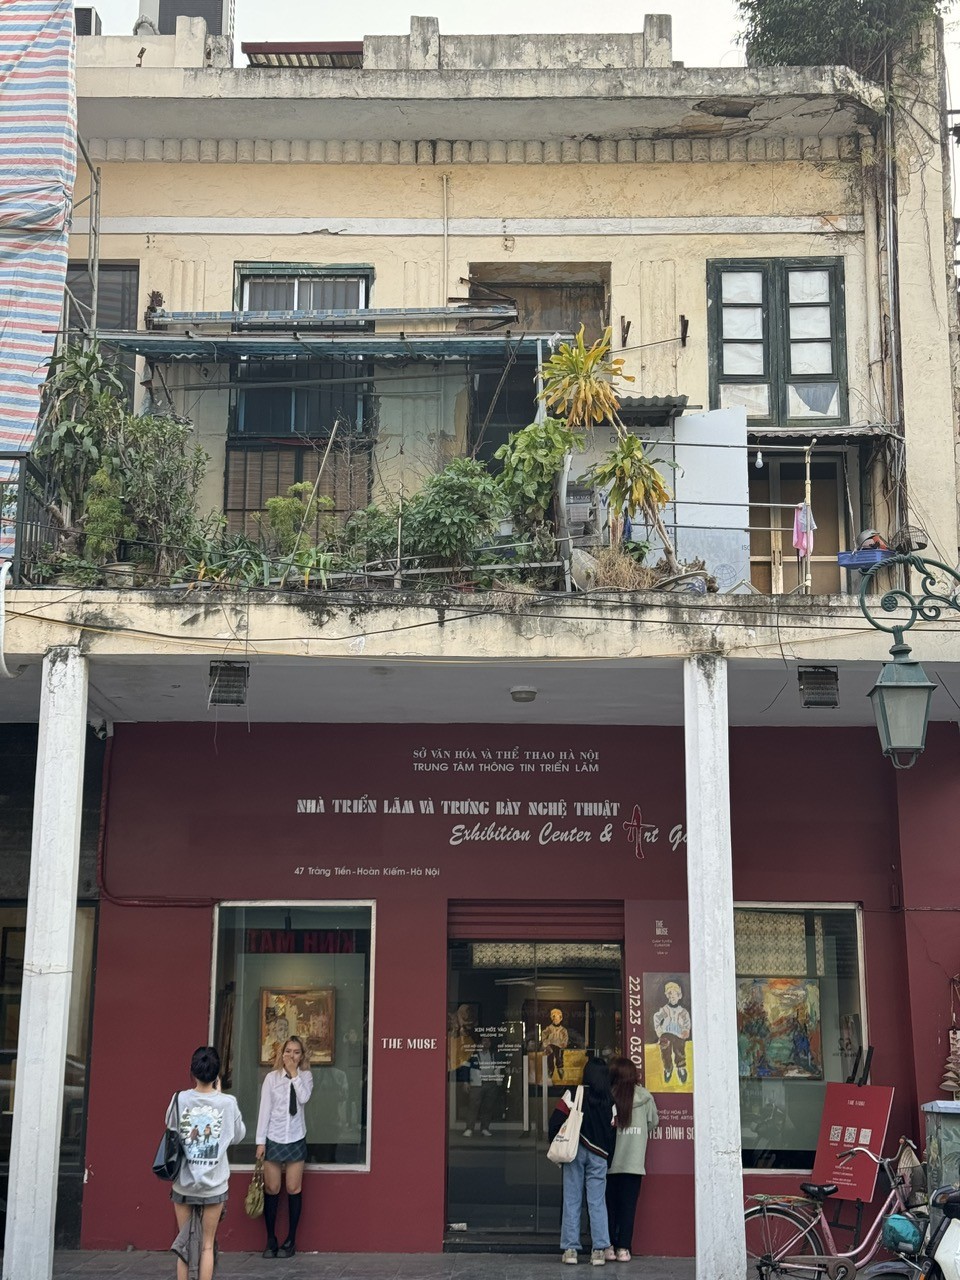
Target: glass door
(522, 1020)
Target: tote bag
(167, 1161)
(564, 1147)
(253, 1204)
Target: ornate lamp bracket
(939, 585)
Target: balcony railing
(26, 526)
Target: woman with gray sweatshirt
(636, 1120)
(208, 1122)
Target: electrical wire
(835, 630)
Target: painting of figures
(778, 1029)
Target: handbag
(563, 1149)
(167, 1161)
(253, 1204)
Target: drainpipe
(871, 255)
(889, 213)
(445, 282)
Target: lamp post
(901, 695)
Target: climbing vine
(869, 36)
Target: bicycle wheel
(775, 1233)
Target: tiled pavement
(362, 1266)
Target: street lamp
(901, 695)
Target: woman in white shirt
(282, 1141)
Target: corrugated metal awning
(333, 315)
(313, 54)
(837, 434)
(225, 348)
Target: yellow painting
(653, 1066)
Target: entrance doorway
(523, 1019)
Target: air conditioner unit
(87, 21)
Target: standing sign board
(853, 1116)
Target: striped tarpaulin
(38, 121)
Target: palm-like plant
(579, 385)
(578, 382)
(635, 483)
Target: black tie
(293, 1099)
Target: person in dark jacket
(588, 1170)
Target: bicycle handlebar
(844, 1156)
(848, 1155)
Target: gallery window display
(799, 1024)
(298, 970)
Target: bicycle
(790, 1235)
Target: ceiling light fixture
(228, 684)
(523, 693)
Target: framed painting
(778, 1029)
(668, 1049)
(305, 1012)
(558, 1032)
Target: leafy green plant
(370, 537)
(454, 512)
(226, 559)
(160, 470)
(291, 520)
(83, 400)
(637, 548)
(532, 459)
(635, 483)
(75, 570)
(105, 522)
(579, 381)
(117, 475)
(869, 36)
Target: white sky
(704, 31)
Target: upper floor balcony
(308, 438)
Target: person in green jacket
(636, 1120)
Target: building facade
(456, 893)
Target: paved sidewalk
(361, 1266)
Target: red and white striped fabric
(38, 125)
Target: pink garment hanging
(803, 527)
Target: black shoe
(270, 1251)
(667, 1074)
(287, 1249)
(682, 1074)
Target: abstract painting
(778, 1029)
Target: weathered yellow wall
(654, 277)
(515, 191)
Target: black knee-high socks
(270, 1204)
(295, 1203)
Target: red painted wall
(929, 802)
(198, 814)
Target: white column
(716, 1094)
(47, 968)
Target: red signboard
(852, 1117)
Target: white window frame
(298, 904)
(299, 277)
